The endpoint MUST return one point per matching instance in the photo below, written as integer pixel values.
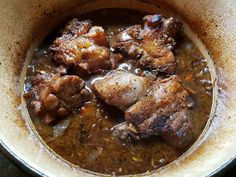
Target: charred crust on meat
(151, 44)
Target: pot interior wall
(213, 22)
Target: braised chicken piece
(176, 130)
(57, 96)
(121, 89)
(164, 111)
(84, 48)
(150, 44)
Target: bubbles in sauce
(85, 138)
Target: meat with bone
(163, 111)
(121, 89)
(83, 47)
(165, 96)
(55, 96)
(151, 44)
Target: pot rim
(26, 164)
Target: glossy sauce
(85, 138)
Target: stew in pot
(119, 91)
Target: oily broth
(85, 139)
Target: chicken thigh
(150, 44)
(84, 48)
(121, 89)
(57, 96)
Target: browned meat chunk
(56, 97)
(151, 44)
(121, 89)
(164, 111)
(83, 47)
(165, 96)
